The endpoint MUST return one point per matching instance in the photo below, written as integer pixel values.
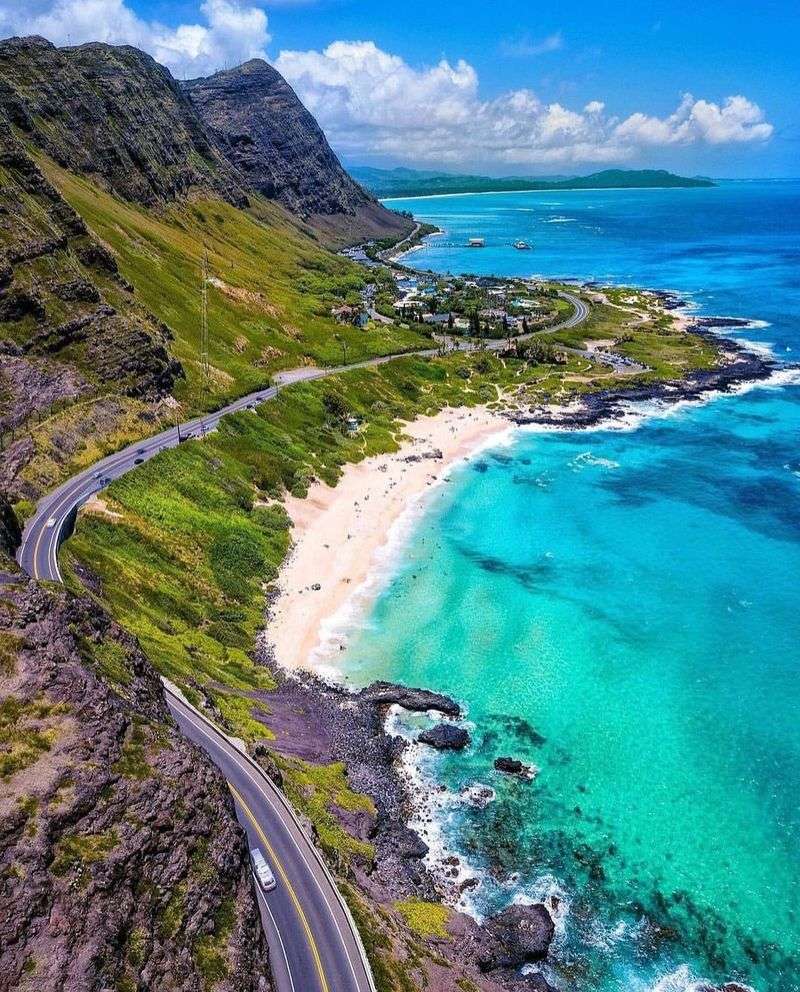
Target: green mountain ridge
(411, 182)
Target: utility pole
(204, 332)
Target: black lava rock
(519, 935)
(417, 700)
(511, 766)
(445, 737)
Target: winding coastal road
(397, 249)
(313, 941)
(52, 521)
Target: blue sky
(509, 87)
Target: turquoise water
(621, 609)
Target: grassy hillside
(270, 291)
(644, 332)
(182, 547)
(272, 287)
(191, 536)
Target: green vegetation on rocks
(211, 950)
(426, 919)
(75, 852)
(317, 790)
(28, 729)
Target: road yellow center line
(293, 895)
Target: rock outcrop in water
(513, 766)
(326, 723)
(123, 864)
(445, 737)
(415, 700)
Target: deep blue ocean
(621, 609)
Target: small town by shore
(460, 306)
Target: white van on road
(262, 870)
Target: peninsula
(402, 182)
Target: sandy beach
(340, 532)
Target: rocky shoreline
(739, 367)
(322, 723)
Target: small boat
(476, 243)
(522, 245)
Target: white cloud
(230, 33)
(737, 120)
(371, 102)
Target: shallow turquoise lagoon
(621, 608)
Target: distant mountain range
(411, 182)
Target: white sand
(339, 532)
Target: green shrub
(426, 919)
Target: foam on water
(432, 807)
(586, 459)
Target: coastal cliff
(71, 327)
(111, 818)
(113, 114)
(122, 862)
(113, 187)
(280, 151)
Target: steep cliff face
(121, 863)
(281, 152)
(10, 533)
(114, 114)
(71, 328)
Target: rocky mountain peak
(280, 150)
(112, 113)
